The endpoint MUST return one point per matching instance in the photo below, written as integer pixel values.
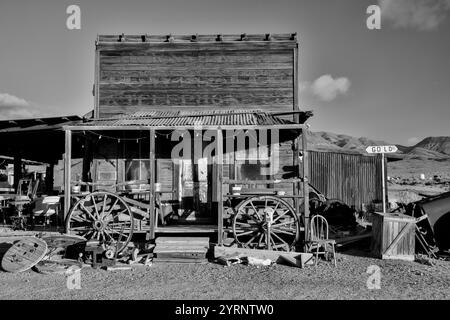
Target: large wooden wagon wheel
(102, 216)
(266, 222)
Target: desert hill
(429, 148)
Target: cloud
(12, 107)
(327, 88)
(413, 141)
(423, 15)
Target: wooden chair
(21, 192)
(47, 207)
(319, 239)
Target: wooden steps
(181, 249)
(193, 228)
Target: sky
(391, 84)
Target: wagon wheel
(102, 216)
(266, 222)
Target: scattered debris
(230, 255)
(117, 268)
(24, 254)
(293, 261)
(352, 239)
(256, 261)
(424, 260)
(57, 266)
(228, 261)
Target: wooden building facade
(236, 93)
(200, 72)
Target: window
(137, 170)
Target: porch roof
(217, 119)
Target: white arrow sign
(382, 149)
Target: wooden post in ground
(17, 170)
(67, 172)
(219, 164)
(152, 198)
(298, 169)
(49, 177)
(305, 180)
(383, 179)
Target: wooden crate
(393, 236)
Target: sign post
(382, 150)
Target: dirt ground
(399, 280)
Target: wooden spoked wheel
(266, 222)
(102, 216)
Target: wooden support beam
(292, 126)
(97, 83)
(17, 169)
(306, 180)
(295, 88)
(266, 181)
(219, 159)
(67, 172)
(49, 177)
(296, 186)
(151, 234)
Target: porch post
(49, 177)
(298, 145)
(151, 234)
(305, 179)
(67, 172)
(219, 159)
(17, 169)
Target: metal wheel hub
(99, 225)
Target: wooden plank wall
(147, 76)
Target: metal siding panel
(354, 179)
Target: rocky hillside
(429, 148)
(437, 144)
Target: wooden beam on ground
(221, 251)
(67, 172)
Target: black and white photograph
(224, 156)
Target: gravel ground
(399, 280)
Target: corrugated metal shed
(352, 178)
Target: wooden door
(194, 191)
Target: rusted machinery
(434, 226)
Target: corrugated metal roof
(191, 118)
(37, 124)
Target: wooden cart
(257, 220)
(108, 217)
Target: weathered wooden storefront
(184, 129)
